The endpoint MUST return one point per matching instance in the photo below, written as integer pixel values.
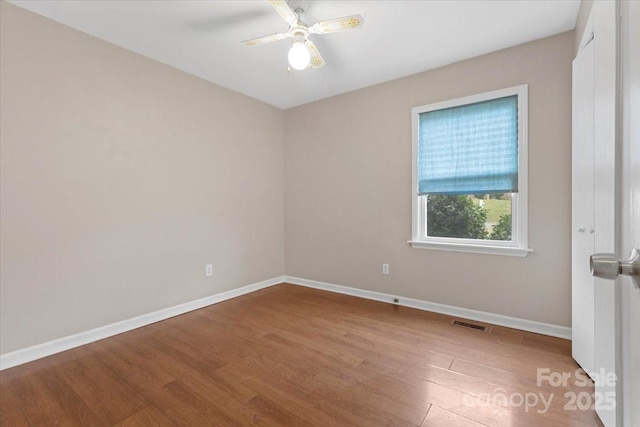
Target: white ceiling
(398, 38)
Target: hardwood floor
(294, 356)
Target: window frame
(518, 245)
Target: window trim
(518, 246)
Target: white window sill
(476, 249)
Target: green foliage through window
(455, 216)
(502, 230)
(480, 216)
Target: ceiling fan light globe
(299, 56)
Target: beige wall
(120, 179)
(348, 188)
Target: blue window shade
(470, 149)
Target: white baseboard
(18, 357)
(466, 313)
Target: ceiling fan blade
(316, 59)
(335, 25)
(265, 39)
(283, 9)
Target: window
(470, 174)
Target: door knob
(607, 266)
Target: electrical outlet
(385, 268)
(208, 270)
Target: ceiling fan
(303, 52)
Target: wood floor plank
(444, 377)
(469, 344)
(73, 405)
(295, 409)
(392, 398)
(147, 417)
(438, 417)
(140, 374)
(37, 405)
(289, 355)
(201, 411)
(42, 406)
(351, 411)
(10, 408)
(103, 391)
(439, 327)
(554, 398)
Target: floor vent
(464, 324)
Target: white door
(607, 209)
(595, 205)
(582, 210)
(617, 165)
(630, 224)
